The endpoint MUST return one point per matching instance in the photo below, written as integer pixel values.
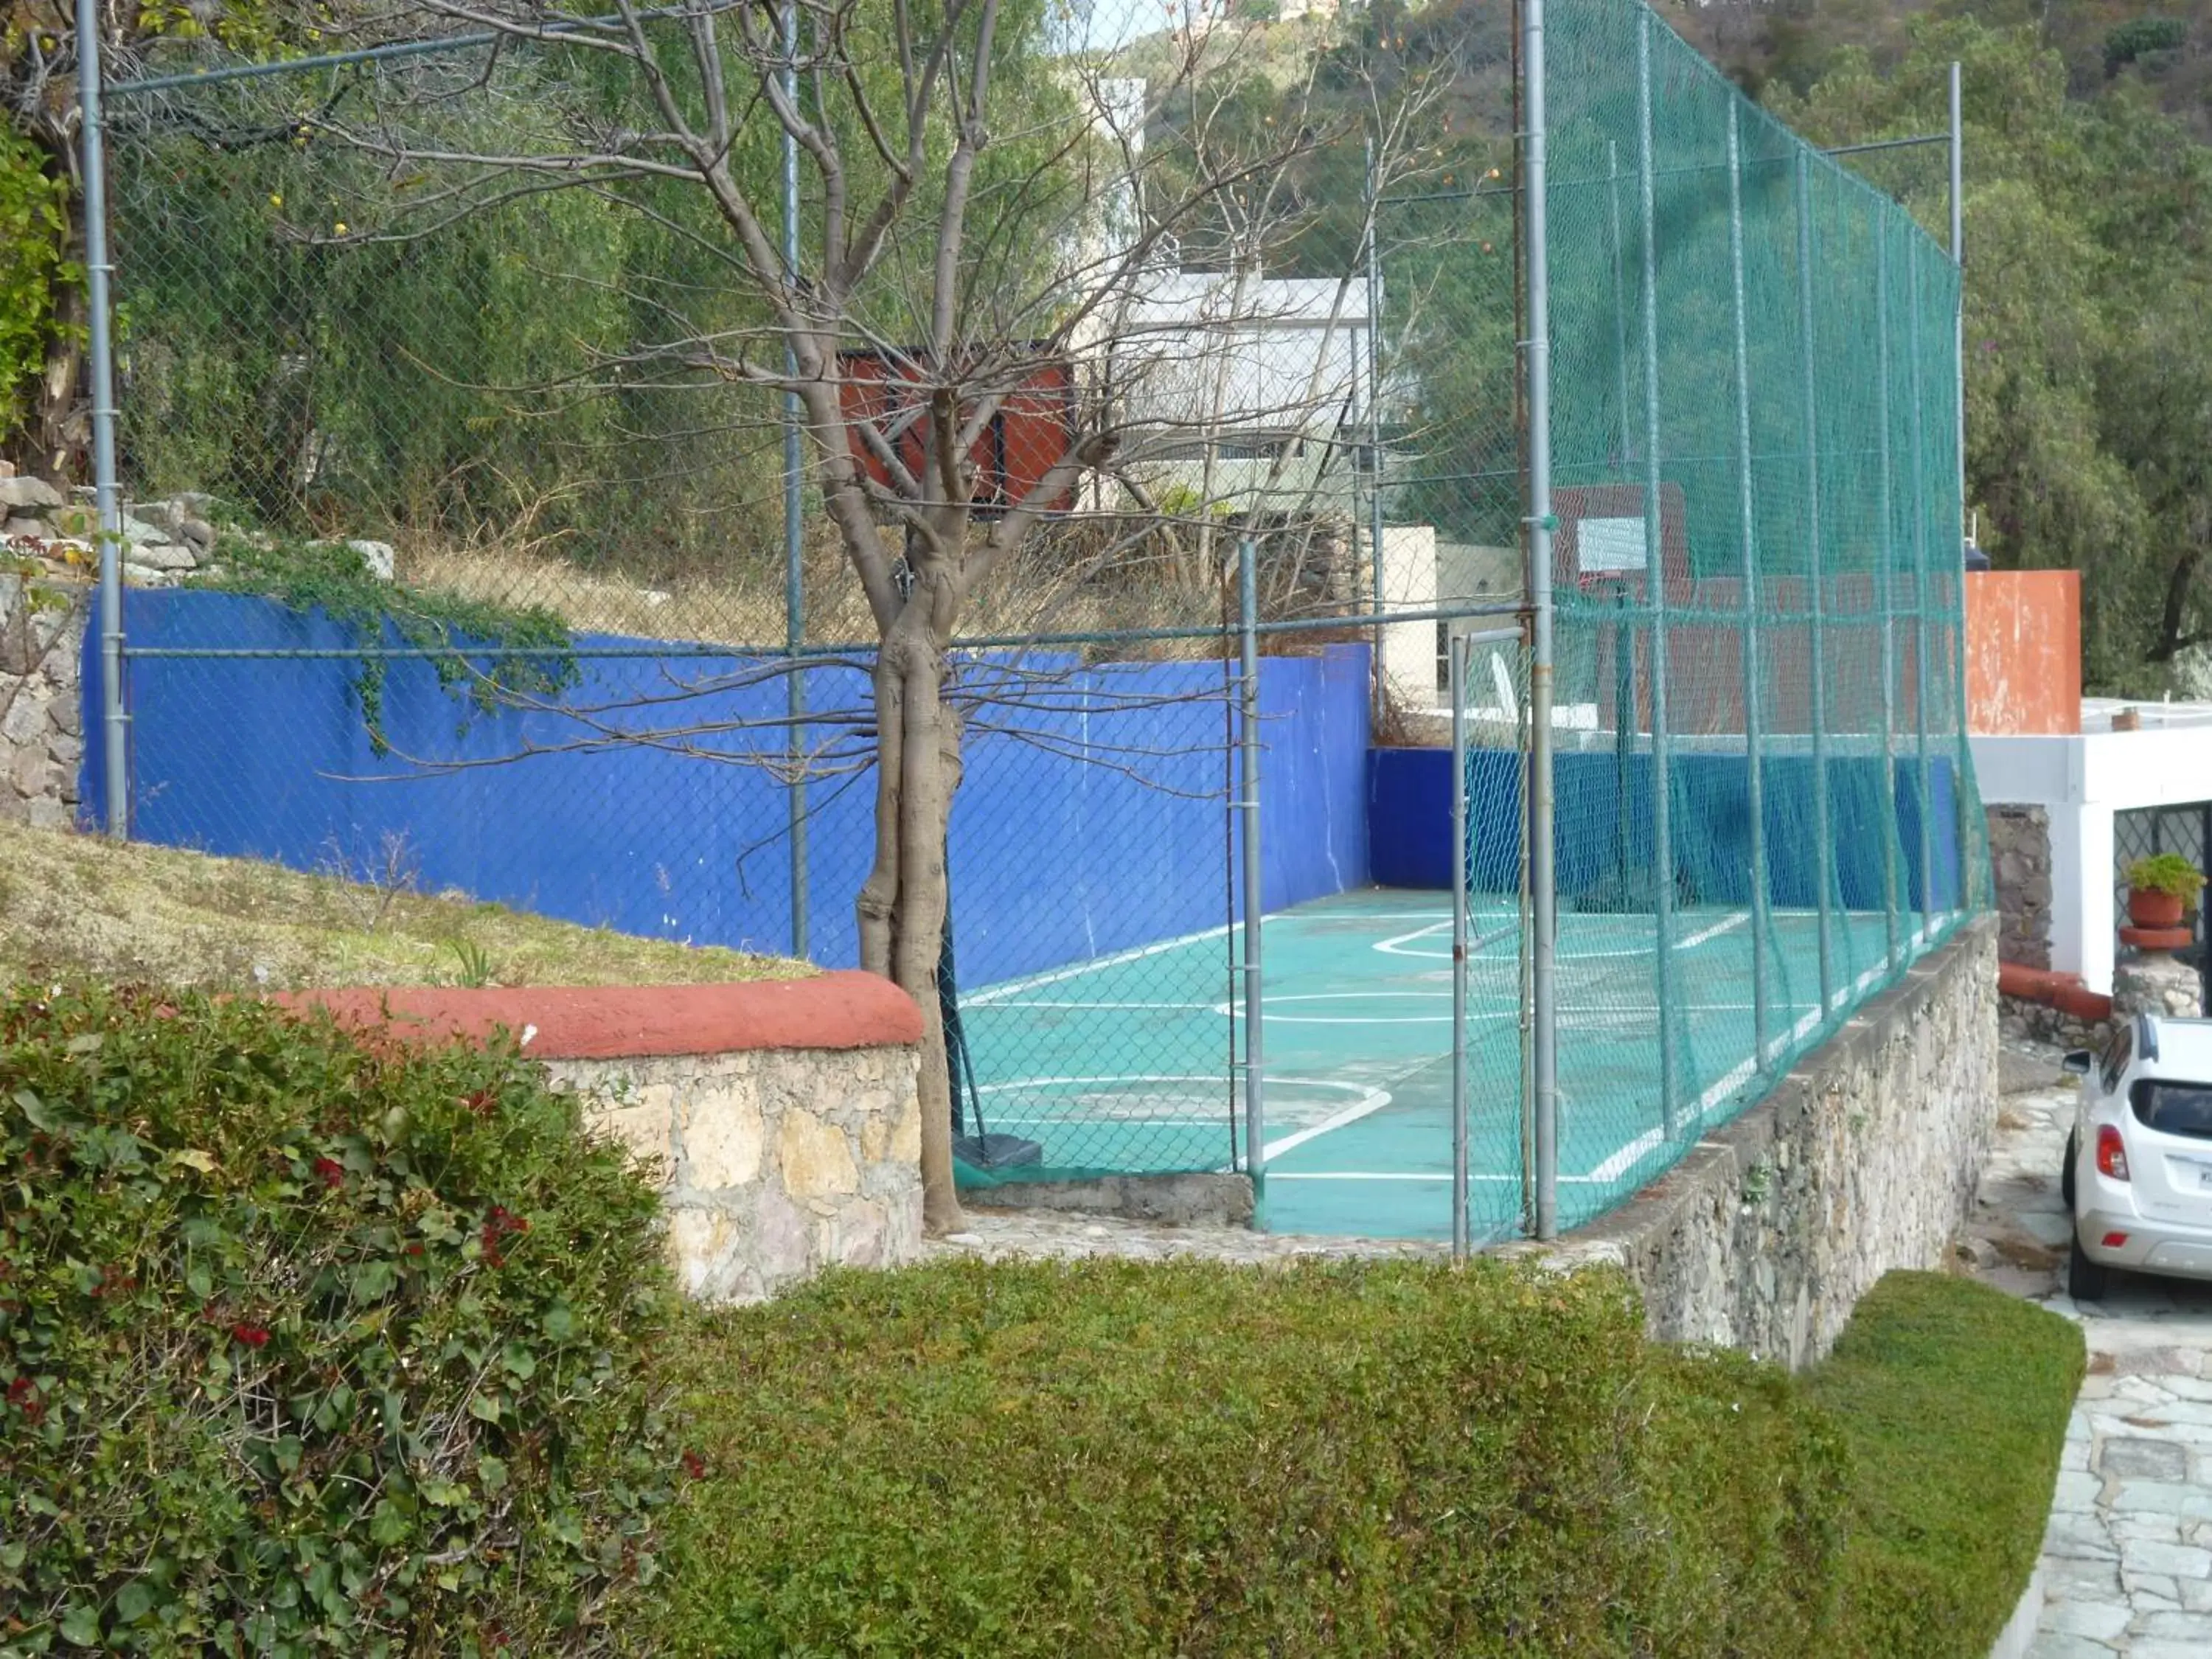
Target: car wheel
(2086, 1279)
(2066, 1170)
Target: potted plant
(2159, 889)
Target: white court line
(1269, 1005)
(1634, 1152)
(1396, 946)
(1013, 987)
(1184, 1007)
(1362, 1175)
(1375, 1101)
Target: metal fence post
(1754, 732)
(115, 768)
(1824, 828)
(1965, 831)
(1536, 367)
(1921, 675)
(1375, 415)
(795, 584)
(1456, 647)
(1886, 507)
(1655, 589)
(1248, 616)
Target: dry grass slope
(77, 906)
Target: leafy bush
(1953, 1398)
(2142, 36)
(34, 236)
(311, 1346)
(1118, 1458)
(2166, 872)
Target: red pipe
(2063, 992)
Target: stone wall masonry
(1864, 1159)
(42, 625)
(2019, 859)
(774, 1163)
(780, 1117)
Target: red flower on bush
(497, 1225)
(254, 1336)
(330, 1171)
(694, 1465)
(22, 1393)
(483, 1103)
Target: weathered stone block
(24, 719)
(644, 1123)
(725, 1136)
(29, 492)
(813, 1156)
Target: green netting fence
(1764, 805)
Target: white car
(2138, 1174)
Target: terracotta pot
(2153, 909)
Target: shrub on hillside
(308, 1346)
(1116, 1458)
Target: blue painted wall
(1053, 860)
(1409, 808)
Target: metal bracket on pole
(114, 724)
(1536, 369)
(1248, 786)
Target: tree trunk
(901, 907)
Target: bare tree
(991, 193)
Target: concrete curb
(2019, 1634)
(841, 1009)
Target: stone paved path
(2127, 1561)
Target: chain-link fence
(1764, 805)
(480, 535)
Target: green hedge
(1117, 1459)
(309, 1347)
(1954, 1399)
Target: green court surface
(1124, 1063)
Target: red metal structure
(1033, 429)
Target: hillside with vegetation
(2088, 207)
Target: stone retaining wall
(1864, 1159)
(41, 709)
(780, 1115)
(2019, 861)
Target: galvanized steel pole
(1457, 650)
(1886, 574)
(1824, 828)
(114, 727)
(1536, 365)
(1965, 831)
(1754, 732)
(1248, 787)
(1655, 590)
(1374, 417)
(1921, 676)
(794, 584)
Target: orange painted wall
(2024, 651)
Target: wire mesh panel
(1764, 809)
